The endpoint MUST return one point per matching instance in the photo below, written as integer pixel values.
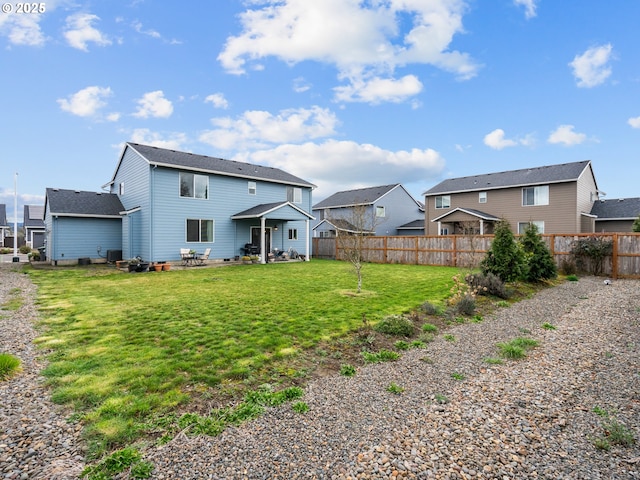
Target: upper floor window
(199, 230)
(535, 195)
(193, 185)
(121, 188)
(482, 197)
(252, 188)
(294, 194)
(443, 201)
(380, 211)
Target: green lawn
(129, 348)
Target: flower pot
(157, 268)
(166, 267)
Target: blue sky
(343, 93)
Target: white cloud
(258, 129)
(22, 29)
(86, 102)
(634, 122)
(300, 85)
(137, 26)
(529, 7)
(378, 90)
(566, 135)
(592, 67)
(324, 164)
(80, 31)
(153, 104)
(172, 141)
(497, 141)
(218, 100)
(361, 39)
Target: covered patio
(275, 216)
(466, 221)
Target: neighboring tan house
(34, 229)
(556, 198)
(616, 215)
(5, 229)
(81, 224)
(162, 201)
(382, 210)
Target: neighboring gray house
(34, 229)
(556, 198)
(81, 224)
(387, 210)
(4, 226)
(161, 201)
(616, 215)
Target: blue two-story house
(175, 200)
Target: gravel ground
(531, 418)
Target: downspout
(151, 197)
(307, 247)
(262, 242)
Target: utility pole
(16, 258)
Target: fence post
(614, 257)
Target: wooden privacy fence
(468, 250)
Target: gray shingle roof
(349, 198)
(75, 203)
(618, 208)
(3, 215)
(192, 161)
(564, 172)
(415, 225)
(34, 216)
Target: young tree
(352, 228)
(636, 225)
(540, 264)
(505, 257)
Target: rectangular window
(199, 230)
(252, 188)
(121, 188)
(443, 201)
(294, 194)
(293, 234)
(193, 185)
(444, 231)
(380, 212)
(482, 197)
(522, 226)
(535, 196)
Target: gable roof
(342, 225)
(469, 211)
(201, 163)
(34, 216)
(360, 196)
(3, 215)
(414, 225)
(616, 209)
(266, 208)
(76, 203)
(565, 172)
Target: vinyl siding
(559, 216)
(75, 238)
(585, 198)
(227, 196)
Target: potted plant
(166, 267)
(246, 259)
(157, 267)
(255, 258)
(133, 264)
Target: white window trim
(252, 188)
(482, 197)
(442, 197)
(522, 226)
(193, 186)
(536, 189)
(200, 220)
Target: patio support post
(263, 259)
(439, 228)
(481, 227)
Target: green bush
(636, 225)
(590, 253)
(487, 284)
(9, 365)
(466, 305)
(540, 263)
(24, 249)
(505, 258)
(395, 325)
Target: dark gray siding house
(34, 229)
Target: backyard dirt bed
(455, 415)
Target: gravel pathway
(531, 418)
